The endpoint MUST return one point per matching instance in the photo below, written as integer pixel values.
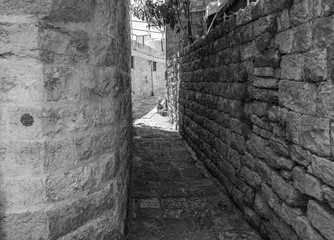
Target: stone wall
(65, 119)
(145, 81)
(256, 105)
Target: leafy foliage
(164, 13)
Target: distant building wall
(148, 72)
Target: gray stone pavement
(173, 197)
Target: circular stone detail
(27, 120)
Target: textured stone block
(323, 31)
(305, 230)
(322, 218)
(30, 224)
(300, 155)
(314, 135)
(307, 184)
(322, 168)
(284, 41)
(293, 126)
(19, 82)
(26, 123)
(278, 161)
(265, 82)
(251, 177)
(292, 67)
(62, 83)
(22, 193)
(304, 10)
(302, 38)
(298, 96)
(275, 6)
(264, 72)
(287, 192)
(316, 66)
(283, 20)
(94, 145)
(329, 195)
(325, 99)
(66, 217)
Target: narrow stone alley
(173, 197)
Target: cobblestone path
(172, 195)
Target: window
(154, 66)
(132, 62)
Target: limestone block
(245, 33)
(263, 170)
(307, 184)
(322, 168)
(329, 195)
(302, 11)
(302, 38)
(298, 96)
(22, 193)
(284, 41)
(325, 100)
(59, 155)
(300, 155)
(251, 177)
(18, 83)
(60, 186)
(292, 67)
(256, 145)
(265, 24)
(63, 46)
(287, 192)
(269, 57)
(261, 207)
(234, 158)
(322, 218)
(316, 66)
(305, 230)
(26, 123)
(327, 7)
(265, 82)
(275, 6)
(30, 224)
(323, 31)
(63, 218)
(19, 39)
(24, 159)
(264, 72)
(293, 126)
(62, 83)
(283, 20)
(94, 145)
(314, 135)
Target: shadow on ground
(173, 197)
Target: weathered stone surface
(305, 230)
(322, 218)
(300, 155)
(265, 82)
(283, 20)
(302, 38)
(30, 224)
(251, 177)
(287, 192)
(329, 195)
(325, 100)
(261, 207)
(284, 41)
(302, 11)
(316, 69)
(64, 218)
(298, 96)
(323, 31)
(292, 67)
(314, 135)
(322, 168)
(307, 184)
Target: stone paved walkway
(172, 195)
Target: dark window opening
(132, 61)
(154, 66)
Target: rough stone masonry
(257, 106)
(65, 119)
